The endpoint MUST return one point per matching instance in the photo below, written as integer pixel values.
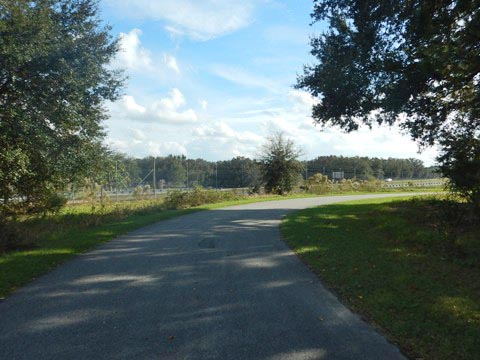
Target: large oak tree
(411, 62)
(54, 81)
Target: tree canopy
(54, 80)
(414, 63)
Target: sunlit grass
(390, 267)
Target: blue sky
(212, 78)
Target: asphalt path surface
(217, 284)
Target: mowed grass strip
(390, 267)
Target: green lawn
(386, 260)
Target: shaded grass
(392, 268)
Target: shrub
(138, 192)
(15, 236)
(319, 184)
(370, 185)
(53, 203)
(198, 196)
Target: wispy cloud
(199, 20)
(171, 62)
(242, 77)
(303, 99)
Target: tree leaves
(281, 168)
(414, 63)
(395, 58)
(54, 81)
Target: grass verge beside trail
(386, 259)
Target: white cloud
(303, 98)
(199, 20)
(239, 76)
(167, 110)
(381, 141)
(148, 147)
(138, 135)
(132, 54)
(173, 102)
(151, 126)
(203, 104)
(131, 106)
(221, 131)
(292, 115)
(228, 142)
(136, 59)
(165, 148)
(171, 63)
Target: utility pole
(216, 176)
(306, 171)
(154, 180)
(187, 174)
(116, 180)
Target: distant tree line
(365, 168)
(173, 171)
(177, 171)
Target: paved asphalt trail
(216, 284)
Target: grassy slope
(389, 267)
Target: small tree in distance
(280, 164)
